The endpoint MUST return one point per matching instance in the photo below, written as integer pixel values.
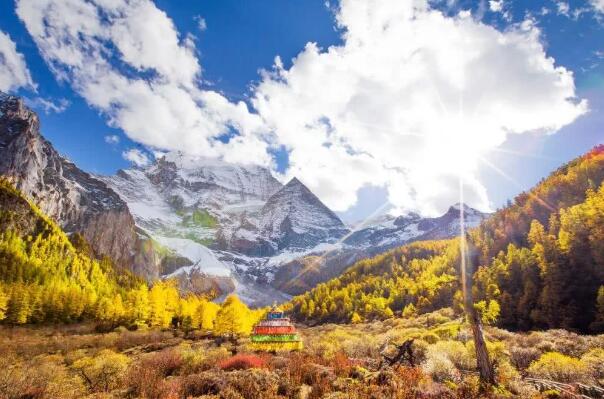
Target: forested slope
(48, 277)
(540, 264)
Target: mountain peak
(294, 182)
(456, 209)
(295, 217)
(13, 112)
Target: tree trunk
(483, 361)
(469, 262)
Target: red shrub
(241, 362)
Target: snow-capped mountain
(370, 238)
(233, 225)
(294, 218)
(390, 231)
(192, 206)
(213, 225)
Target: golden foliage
(540, 264)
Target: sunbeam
(524, 154)
(462, 239)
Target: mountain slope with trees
(539, 264)
(48, 277)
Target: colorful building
(275, 333)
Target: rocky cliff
(72, 197)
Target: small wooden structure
(275, 333)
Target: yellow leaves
(379, 287)
(536, 233)
(488, 312)
(103, 372)
(355, 318)
(111, 309)
(138, 304)
(234, 318)
(3, 303)
(583, 222)
(46, 278)
(206, 315)
(409, 311)
(558, 367)
(163, 303)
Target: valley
(148, 284)
(347, 199)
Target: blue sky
(240, 38)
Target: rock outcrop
(75, 199)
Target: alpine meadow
(284, 199)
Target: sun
(456, 146)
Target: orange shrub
(242, 362)
(341, 364)
(147, 377)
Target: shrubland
(339, 361)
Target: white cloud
(563, 8)
(406, 103)
(410, 101)
(13, 69)
(598, 5)
(112, 139)
(496, 5)
(136, 156)
(50, 106)
(126, 58)
(201, 23)
(499, 6)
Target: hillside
(539, 264)
(75, 200)
(48, 277)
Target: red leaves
(242, 362)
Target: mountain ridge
(208, 223)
